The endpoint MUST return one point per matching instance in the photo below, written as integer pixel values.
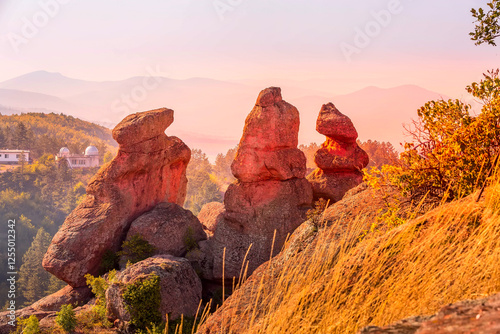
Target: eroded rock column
(339, 159)
(150, 168)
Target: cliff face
(150, 168)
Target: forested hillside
(47, 133)
(40, 195)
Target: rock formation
(169, 228)
(339, 159)
(209, 215)
(47, 306)
(180, 287)
(477, 316)
(150, 168)
(271, 193)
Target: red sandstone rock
(48, 306)
(180, 287)
(338, 156)
(268, 147)
(209, 215)
(478, 316)
(339, 159)
(333, 186)
(271, 193)
(167, 227)
(332, 123)
(149, 168)
(254, 211)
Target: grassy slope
(341, 284)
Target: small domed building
(87, 160)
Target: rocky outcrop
(268, 148)
(47, 306)
(209, 215)
(150, 168)
(339, 159)
(365, 203)
(169, 228)
(478, 316)
(271, 193)
(180, 287)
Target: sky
(337, 46)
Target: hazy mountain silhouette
(209, 114)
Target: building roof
(64, 150)
(91, 150)
(15, 151)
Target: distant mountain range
(209, 114)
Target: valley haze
(209, 113)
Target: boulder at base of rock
(180, 287)
(209, 214)
(333, 186)
(47, 306)
(169, 228)
(149, 168)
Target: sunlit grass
(451, 253)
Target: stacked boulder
(150, 168)
(339, 159)
(270, 198)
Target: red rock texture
(180, 287)
(254, 211)
(150, 168)
(271, 193)
(478, 316)
(209, 215)
(48, 306)
(168, 227)
(268, 148)
(361, 203)
(339, 159)
(332, 123)
(333, 186)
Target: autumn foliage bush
(452, 151)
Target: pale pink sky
(412, 42)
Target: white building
(87, 160)
(11, 157)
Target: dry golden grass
(451, 253)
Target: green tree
(3, 139)
(380, 153)
(222, 168)
(21, 136)
(33, 279)
(310, 151)
(487, 27)
(136, 249)
(202, 187)
(31, 325)
(66, 318)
